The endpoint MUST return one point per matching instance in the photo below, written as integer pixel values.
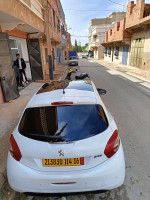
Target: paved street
(129, 101)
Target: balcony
(95, 44)
(29, 17)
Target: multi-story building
(117, 44)
(60, 49)
(22, 30)
(128, 42)
(97, 29)
(138, 24)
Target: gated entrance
(7, 75)
(137, 52)
(35, 59)
(125, 55)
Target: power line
(117, 3)
(79, 36)
(90, 10)
(126, 6)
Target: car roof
(78, 92)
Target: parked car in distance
(73, 60)
(65, 142)
(82, 76)
(84, 56)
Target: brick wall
(135, 13)
(17, 33)
(54, 20)
(118, 32)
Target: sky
(79, 21)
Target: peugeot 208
(66, 141)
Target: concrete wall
(23, 13)
(118, 59)
(146, 52)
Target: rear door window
(63, 123)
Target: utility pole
(48, 39)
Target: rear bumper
(106, 176)
(73, 63)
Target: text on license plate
(63, 162)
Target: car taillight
(62, 103)
(112, 145)
(14, 149)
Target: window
(105, 51)
(116, 53)
(118, 26)
(69, 123)
(111, 32)
(73, 58)
(15, 46)
(54, 20)
(109, 51)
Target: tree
(83, 48)
(79, 49)
(75, 47)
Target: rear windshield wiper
(63, 128)
(47, 138)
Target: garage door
(137, 52)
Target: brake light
(62, 103)
(14, 149)
(112, 145)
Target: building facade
(97, 30)
(138, 24)
(117, 44)
(132, 38)
(22, 30)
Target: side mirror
(101, 91)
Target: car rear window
(73, 58)
(63, 123)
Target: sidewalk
(60, 72)
(10, 114)
(133, 71)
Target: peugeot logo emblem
(61, 153)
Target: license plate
(63, 162)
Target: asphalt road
(129, 102)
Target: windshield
(63, 123)
(73, 58)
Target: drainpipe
(48, 39)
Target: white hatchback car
(65, 142)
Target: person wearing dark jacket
(20, 63)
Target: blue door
(125, 55)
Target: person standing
(20, 63)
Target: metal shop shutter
(137, 52)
